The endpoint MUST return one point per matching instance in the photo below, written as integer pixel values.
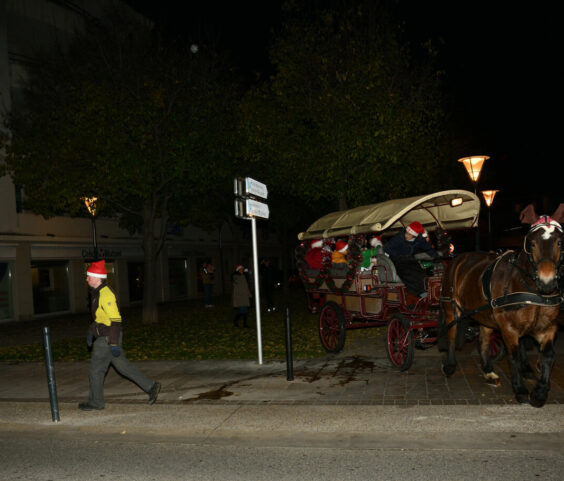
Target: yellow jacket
(105, 314)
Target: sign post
(247, 206)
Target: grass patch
(187, 330)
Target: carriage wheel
(399, 342)
(497, 347)
(332, 330)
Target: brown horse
(517, 294)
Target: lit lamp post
(473, 166)
(489, 197)
(90, 203)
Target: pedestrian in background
(207, 276)
(105, 338)
(241, 295)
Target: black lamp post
(90, 203)
(488, 198)
(473, 166)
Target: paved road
(87, 455)
(347, 416)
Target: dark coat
(398, 246)
(241, 292)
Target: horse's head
(543, 245)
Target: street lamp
(90, 203)
(473, 166)
(489, 197)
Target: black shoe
(154, 393)
(88, 407)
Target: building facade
(43, 261)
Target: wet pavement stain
(349, 369)
(311, 376)
(213, 395)
(357, 363)
(346, 371)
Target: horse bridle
(546, 222)
(519, 298)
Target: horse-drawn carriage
(351, 298)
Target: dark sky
(501, 61)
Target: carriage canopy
(448, 209)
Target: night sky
(500, 60)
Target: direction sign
(254, 187)
(257, 209)
(249, 208)
(250, 187)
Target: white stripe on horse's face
(548, 229)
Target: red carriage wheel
(399, 342)
(332, 330)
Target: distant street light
(489, 197)
(90, 203)
(473, 166)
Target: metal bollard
(289, 360)
(51, 375)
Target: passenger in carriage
(402, 248)
(339, 255)
(368, 253)
(314, 256)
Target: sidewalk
(355, 400)
(360, 375)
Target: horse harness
(513, 299)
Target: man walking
(104, 336)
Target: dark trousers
(411, 273)
(99, 363)
(241, 313)
(207, 293)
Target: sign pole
(247, 190)
(257, 290)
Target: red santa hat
(239, 267)
(376, 241)
(97, 269)
(315, 243)
(341, 246)
(415, 228)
